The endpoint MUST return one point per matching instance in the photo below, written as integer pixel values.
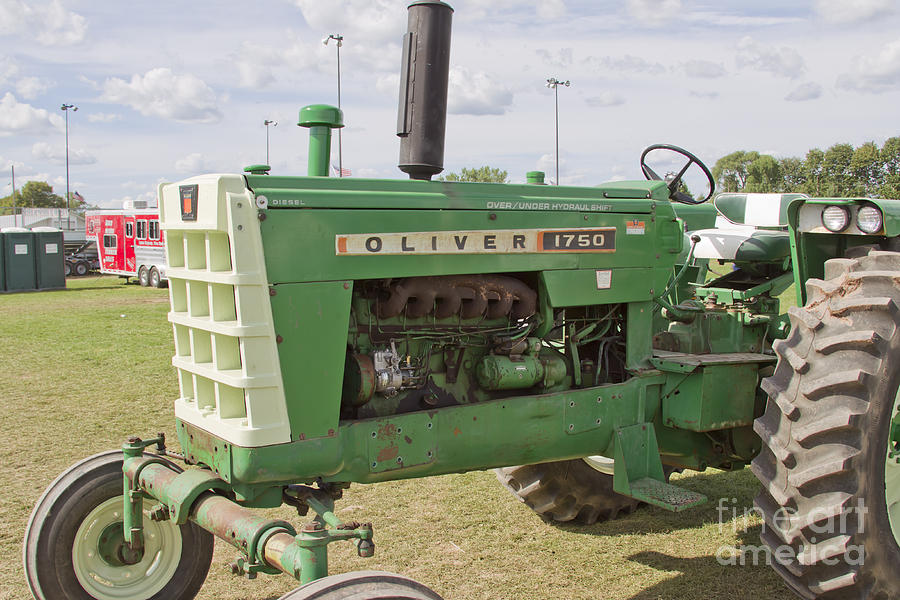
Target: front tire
(70, 542)
(567, 490)
(363, 584)
(144, 277)
(831, 487)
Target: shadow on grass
(730, 490)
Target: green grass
(82, 369)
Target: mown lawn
(82, 369)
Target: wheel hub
(105, 566)
(892, 471)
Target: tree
(814, 171)
(890, 165)
(730, 172)
(866, 170)
(794, 176)
(764, 175)
(483, 174)
(836, 170)
(37, 194)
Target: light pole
(13, 168)
(267, 122)
(339, 41)
(554, 83)
(65, 108)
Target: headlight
(869, 219)
(835, 218)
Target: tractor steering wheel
(675, 181)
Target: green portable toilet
(2, 268)
(49, 259)
(18, 259)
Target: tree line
(839, 171)
(38, 194)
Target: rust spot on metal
(456, 431)
(387, 432)
(407, 439)
(387, 453)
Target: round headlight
(835, 218)
(869, 219)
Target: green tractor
(331, 331)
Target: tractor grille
(225, 354)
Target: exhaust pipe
(424, 77)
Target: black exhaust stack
(424, 75)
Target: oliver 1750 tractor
(331, 331)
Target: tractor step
(665, 495)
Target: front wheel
(363, 585)
(144, 277)
(81, 269)
(74, 538)
(830, 465)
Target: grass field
(82, 369)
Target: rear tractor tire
(830, 463)
(578, 490)
(363, 585)
(74, 538)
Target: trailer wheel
(67, 268)
(75, 532)
(363, 585)
(155, 280)
(81, 268)
(579, 490)
(831, 436)
(144, 277)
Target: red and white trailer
(129, 242)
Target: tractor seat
(750, 227)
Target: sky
(167, 90)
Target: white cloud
(388, 84)
(476, 93)
(561, 58)
(704, 95)
(804, 92)
(854, 11)
(57, 154)
(784, 61)
(367, 20)
(627, 64)
(874, 74)
(606, 99)
(103, 117)
(50, 24)
(704, 69)
(196, 162)
(32, 87)
(655, 12)
(20, 118)
(162, 93)
(551, 9)
(8, 70)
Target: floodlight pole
(339, 39)
(65, 108)
(268, 122)
(554, 83)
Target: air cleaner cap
(321, 115)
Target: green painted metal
(892, 471)
(257, 169)
(320, 119)
(311, 322)
(535, 177)
(638, 471)
(520, 372)
(696, 402)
